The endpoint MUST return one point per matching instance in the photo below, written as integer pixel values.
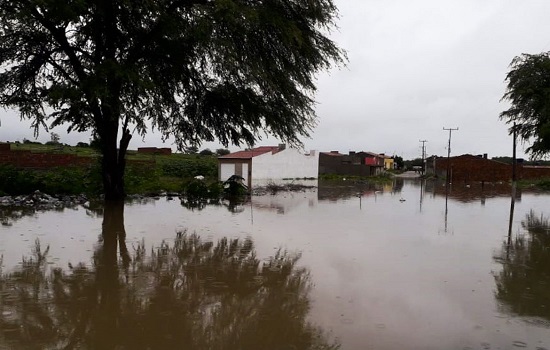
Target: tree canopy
(528, 91)
(195, 70)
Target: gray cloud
(414, 68)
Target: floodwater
(408, 265)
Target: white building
(266, 164)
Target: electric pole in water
(449, 152)
(423, 156)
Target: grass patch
(542, 184)
(145, 173)
(71, 180)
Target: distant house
(388, 162)
(266, 164)
(353, 164)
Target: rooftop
(248, 154)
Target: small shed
(268, 164)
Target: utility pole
(423, 156)
(514, 184)
(449, 152)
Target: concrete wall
(285, 164)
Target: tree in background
(54, 138)
(191, 150)
(399, 162)
(528, 92)
(206, 152)
(408, 164)
(222, 152)
(196, 70)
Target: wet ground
(408, 265)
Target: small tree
(54, 138)
(398, 162)
(196, 70)
(206, 152)
(222, 151)
(191, 150)
(528, 91)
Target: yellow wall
(388, 163)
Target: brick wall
(155, 150)
(534, 172)
(469, 168)
(30, 160)
(36, 160)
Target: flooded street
(408, 265)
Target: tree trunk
(113, 164)
(107, 275)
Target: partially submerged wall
(285, 164)
(469, 168)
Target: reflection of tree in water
(190, 294)
(524, 283)
(10, 214)
(234, 204)
(398, 185)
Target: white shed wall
(245, 173)
(226, 170)
(229, 169)
(288, 163)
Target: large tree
(528, 92)
(196, 70)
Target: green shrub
(190, 167)
(196, 189)
(15, 181)
(215, 190)
(141, 179)
(64, 181)
(72, 180)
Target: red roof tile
(251, 153)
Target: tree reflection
(189, 294)
(524, 282)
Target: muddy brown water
(407, 265)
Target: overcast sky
(415, 67)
